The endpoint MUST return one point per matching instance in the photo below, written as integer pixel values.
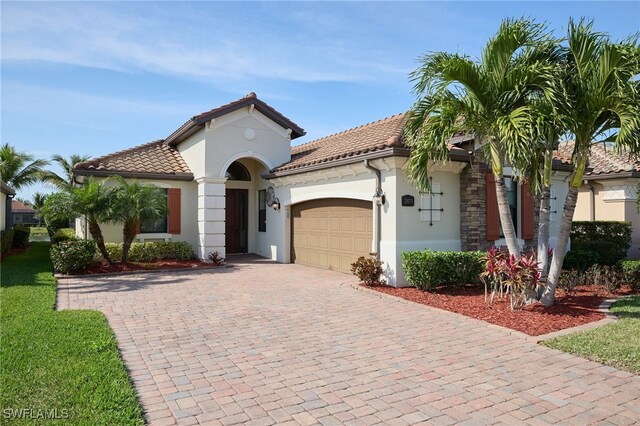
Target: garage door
(331, 233)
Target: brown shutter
(527, 206)
(174, 210)
(492, 215)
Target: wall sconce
(276, 205)
(379, 198)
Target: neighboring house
(610, 189)
(6, 197)
(22, 213)
(235, 185)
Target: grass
(617, 344)
(64, 363)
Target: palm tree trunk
(96, 234)
(128, 235)
(505, 217)
(543, 222)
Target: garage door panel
(331, 233)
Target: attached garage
(331, 233)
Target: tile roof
(603, 160)
(152, 159)
(376, 136)
(20, 207)
(192, 125)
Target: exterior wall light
(379, 198)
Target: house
(6, 197)
(22, 213)
(610, 189)
(235, 184)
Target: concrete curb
(142, 271)
(604, 308)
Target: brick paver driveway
(266, 343)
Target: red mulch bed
(534, 320)
(13, 252)
(105, 268)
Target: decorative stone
(249, 134)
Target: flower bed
(534, 320)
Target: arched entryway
(237, 209)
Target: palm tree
(133, 203)
(487, 98)
(19, 169)
(91, 199)
(38, 203)
(604, 106)
(66, 180)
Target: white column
(211, 216)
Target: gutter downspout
(377, 212)
(592, 202)
(8, 212)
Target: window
(511, 187)
(262, 210)
(237, 171)
(158, 226)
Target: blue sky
(94, 77)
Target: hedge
(428, 269)
(618, 233)
(20, 236)
(72, 256)
(6, 238)
(64, 234)
(631, 270)
(153, 251)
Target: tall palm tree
(19, 169)
(65, 180)
(91, 199)
(133, 203)
(488, 98)
(37, 203)
(604, 98)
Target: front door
(236, 223)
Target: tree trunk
(128, 235)
(96, 234)
(505, 217)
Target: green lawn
(617, 345)
(62, 363)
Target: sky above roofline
(94, 78)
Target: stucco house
(22, 213)
(610, 189)
(235, 184)
(6, 196)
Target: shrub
(216, 258)
(631, 271)
(607, 277)
(367, 269)
(618, 233)
(6, 237)
(64, 234)
(428, 269)
(569, 280)
(153, 251)
(608, 252)
(581, 260)
(20, 236)
(72, 256)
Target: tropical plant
(604, 106)
(367, 269)
(65, 180)
(37, 203)
(517, 277)
(19, 169)
(91, 199)
(489, 99)
(135, 202)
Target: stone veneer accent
(473, 205)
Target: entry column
(211, 205)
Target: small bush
(608, 252)
(428, 269)
(72, 256)
(569, 280)
(367, 269)
(608, 277)
(631, 271)
(581, 260)
(617, 233)
(20, 236)
(64, 234)
(216, 258)
(6, 237)
(153, 251)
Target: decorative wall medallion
(249, 134)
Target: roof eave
(6, 189)
(134, 175)
(613, 175)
